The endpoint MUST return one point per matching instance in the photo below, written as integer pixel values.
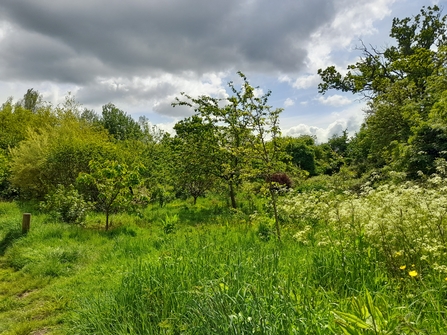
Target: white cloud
(356, 20)
(306, 81)
(322, 134)
(350, 118)
(5, 28)
(284, 78)
(334, 100)
(258, 92)
(288, 102)
(154, 93)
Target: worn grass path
(27, 304)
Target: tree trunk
(232, 196)
(107, 220)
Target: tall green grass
(226, 280)
(216, 271)
(209, 281)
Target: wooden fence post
(26, 222)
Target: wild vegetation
(227, 227)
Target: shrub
(169, 223)
(55, 156)
(405, 223)
(66, 205)
(280, 180)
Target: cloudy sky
(140, 54)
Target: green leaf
(351, 318)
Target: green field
(205, 269)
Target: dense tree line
(115, 162)
(405, 87)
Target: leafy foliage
(120, 125)
(31, 100)
(115, 183)
(404, 222)
(5, 188)
(66, 204)
(241, 129)
(402, 84)
(56, 156)
(15, 120)
(196, 156)
(169, 223)
(371, 316)
(302, 153)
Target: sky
(140, 54)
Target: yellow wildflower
(403, 267)
(413, 273)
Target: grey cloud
(165, 108)
(28, 55)
(116, 90)
(336, 129)
(78, 41)
(99, 94)
(354, 124)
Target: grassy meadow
(369, 262)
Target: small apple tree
(114, 183)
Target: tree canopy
(403, 85)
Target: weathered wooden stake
(26, 222)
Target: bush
(405, 223)
(66, 205)
(280, 180)
(56, 156)
(169, 224)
